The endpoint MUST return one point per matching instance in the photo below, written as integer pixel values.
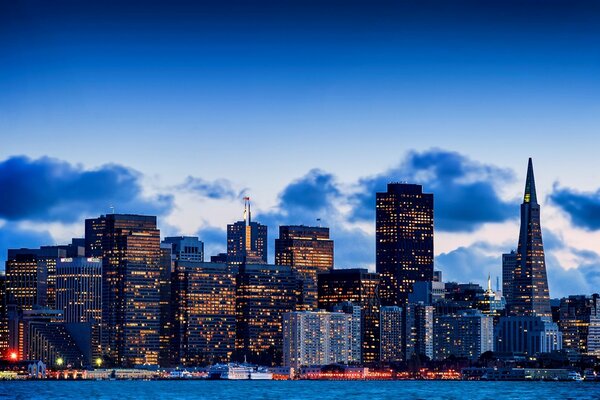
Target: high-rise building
(391, 337)
(246, 240)
(130, 249)
(264, 293)
(167, 264)
(526, 334)
(580, 323)
(357, 286)
(509, 262)
(79, 298)
(355, 328)
(186, 248)
(316, 338)
(404, 240)
(467, 334)
(309, 251)
(490, 302)
(418, 330)
(203, 309)
(530, 284)
(3, 317)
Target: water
(297, 390)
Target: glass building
(309, 251)
(130, 251)
(357, 286)
(404, 240)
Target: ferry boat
(235, 371)
(591, 376)
(574, 376)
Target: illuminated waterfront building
(391, 337)
(130, 250)
(357, 286)
(264, 293)
(246, 240)
(203, 309)
(530, 295)
(316, 338)
(509, 262)
(355, 328)
(579, 323)
(527, 335)
(465, 334)
(3, 318)
(404, 240)
(418, 330)
(309, 251)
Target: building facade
(203, 304)
(391, 334)
(418, 330)
(316, 338)
(530, 294)
(246, 240)
(579, 323)
(404, 240)
(309, 251)
(509, 262)
(526, 335)
(466, 334)
(357, 286)
(130, 250)
(264, 293)
(186, 248)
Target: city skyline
(181, 110)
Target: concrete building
(527, 335)
(391, 334)
(316, 338)
(466, 334)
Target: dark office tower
(509, 262)
(130, 246)
(359, 287)
(404, 240)
(167, 264)
(530, 285)
(3, 317)
(264, 293)
(203, 304)
(186, 248)
(580, 323)
(309, 251)
(246, 240)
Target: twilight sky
(308, 107)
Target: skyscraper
(309, 251)
(530, 285)
(203, 312)
(130, 249)
(186, 248)
(264, 293)
(246, 240)
(3, 317)
(467, 334)
(509, 262)
(580, 323)
(404, 240)
(391, 334)
(357, 286)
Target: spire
(530, 195)
(247, 215)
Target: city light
(98, 362)
(13, 355)
(60, 361)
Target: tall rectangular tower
(404, 240)
(130, 247)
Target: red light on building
(13, 356)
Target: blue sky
(308, 107)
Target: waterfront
(297, 390)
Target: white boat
(591, 376)
(235, 371)
(574, 376)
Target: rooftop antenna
(497, 283)
(319, 222)
(112, 209)
(247, 215)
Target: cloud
(471, 263)
(214, 239)
(47, 189)
(218, 189)
(582, 207)
(465, 190)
